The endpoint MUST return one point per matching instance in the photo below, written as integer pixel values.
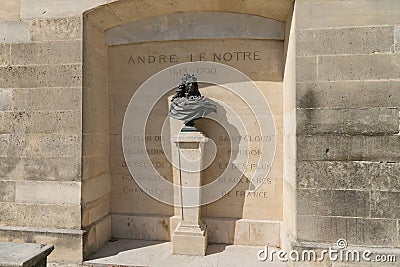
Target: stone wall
(234, 217)
(55, 184)
(54, 122)
(96, 184)
(41, 126)
(288, 228)
(348, 143)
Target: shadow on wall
(223, 172)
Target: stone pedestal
(190, 237)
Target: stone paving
(155, 253)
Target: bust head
(192, 87)
(188, 87)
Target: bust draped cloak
(187, 109)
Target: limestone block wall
(41, 127)
(288, 228)
(96, 184)
(348, 143)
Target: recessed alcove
(126, 42)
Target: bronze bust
(188, 104)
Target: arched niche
(141, 22)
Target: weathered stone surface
(103, 231)
(269, 68)
(129, 200)
(6, 123)
(319, 14)
(4, 142)
(67, 243)
(41, 76)
(40, 168)
(348, 121)
(30, 255)
(6, 99)
(95, 188)
(104, 18)
(398, 232)
(14, 32)
(141, 227)
(196, 25)
(46, 53)
(38, 192)
(94, 166)
(9, 10)
(264, 233)
(397, 38)
(31, 145)
(95, 145)
(56, 29)
(385, 204)
(4, 54)
(327, 147)
(336, 147)
(348, 175)
(129, 11)
(242, 232)
(385, 148)
(89, 241)
(31, 9)
(28, 99)
(34, 215)
(358, 67)
(351, 94)
(356, 40)
(94, 122)
(333, 202)
(7, 191)
(96, 235)
(40, 122)
(94, 38)
(306, 69)
(219, 230)
(93, 211)
(357, 231)
(187, 241)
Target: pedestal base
(190, 239)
